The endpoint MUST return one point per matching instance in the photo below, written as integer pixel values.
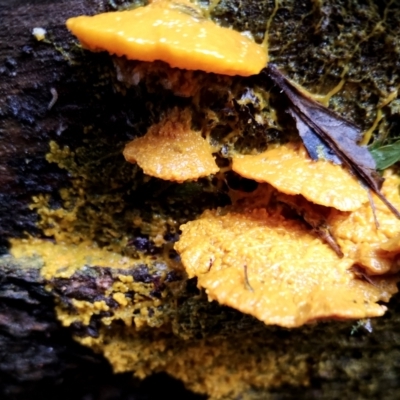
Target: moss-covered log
(88, 239)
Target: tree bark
(39, 358)
(38, 355)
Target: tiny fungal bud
(39, 33)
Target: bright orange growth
(290, 170)
(377, 250)
(174, 32)
(293, 278)
(170, 150)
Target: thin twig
(372, 204)
(246, 279)
(53, 99)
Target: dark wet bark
(39, 359)
(37, 356)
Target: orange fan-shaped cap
(171, 150)
(375, 250)
(290, 170)
(174, 32)
(272, 268)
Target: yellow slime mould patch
(174, 32)
(85, 311)
(289, 169)
(272, 268)
(171, 150)
(62, 260)
(134, 304)
(377, 250)
(220, 368)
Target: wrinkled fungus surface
(290, 170)
(171, 150)
(174, 32)
(376, 250)
(272, 268)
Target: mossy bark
(314, 43)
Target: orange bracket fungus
(272, 268)
(375, 250)
(174, 32)
(171, 150)
(290, 170)
(266, 264)
(258, 258)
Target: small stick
(53, 99)
(246, 279)
(388, 204)
(360, 273)
(372, 204)
(325, 234)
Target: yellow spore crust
(289, 169)
(61, 260)
(220, 368)
(377, 250)
(171, 150)
(292, 277)
(173, 32)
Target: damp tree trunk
(39, 100)
(38, 358)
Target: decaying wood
(38, 358)
(37, 355)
